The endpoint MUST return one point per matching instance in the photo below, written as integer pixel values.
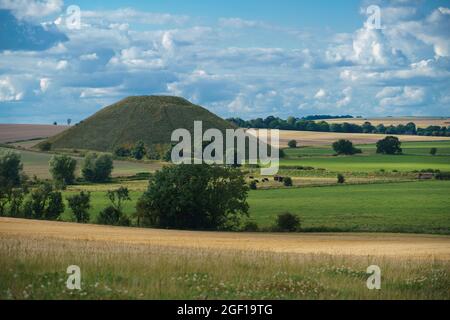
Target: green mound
(151, 119)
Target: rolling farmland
(130, 263)
(19, 132)
(421, 122)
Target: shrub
(45, 203)
(122, 152)
(198, 197)
(292, 144)
(287, 182)
(10, 170)
(152, 154)
(80, 205)
(112, 216)
(250, 226)
(118, 196)
(340, 178)
(55, 206)
(253, 185)
(433, 151)
(97, 168)
(288, 222)
(62, 169)
(346, 147)
(138, 151)
(45, 146)
(443, 176)
(389, 145)
(17, 198)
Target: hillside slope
(151, 119)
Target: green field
(416, 156)
(396, 207)
(417, 207)
(36, 163)
(409, 148)
(370, 163)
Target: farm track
(351, 244)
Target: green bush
(55, 206)
(292, 144)
(62, 169)
(80, 205)
(253, 185)
(197, 197)
(45, 203)
(250, 226)
(443, 176)
(287, 222)
(389, 145)
(113, 217)
(97, 168)
(340, 178)
(346, 147)
(433, 151)
(122, 152)
(45, 146)
(287, 182)
(138, 151)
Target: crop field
(310, 138)
(421, 122)
(126, 263)
(18, 132)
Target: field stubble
(120, 263)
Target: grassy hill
(151, 119)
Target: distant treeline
(308, 124)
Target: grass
(35, 268)
(412, 207)
(151, 119)
(371, 163)
(422, 207)
(36, 163)
(409, 148)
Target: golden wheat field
(420, 122)
(127, 263)
(386, 245)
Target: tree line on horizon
(310, 123)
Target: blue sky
(237, 58)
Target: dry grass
(420, 122)
(17, 132)
(310, 138)
(381, 245)
(118, 263)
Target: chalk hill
(151, 119)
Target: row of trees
(95, 168)
(388, 145)
(140, 150)
(302, 124)
(22, 198)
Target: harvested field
(311, 138)
(420, 122)
(378, 245)
(18, 132)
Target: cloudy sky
(251, 58)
